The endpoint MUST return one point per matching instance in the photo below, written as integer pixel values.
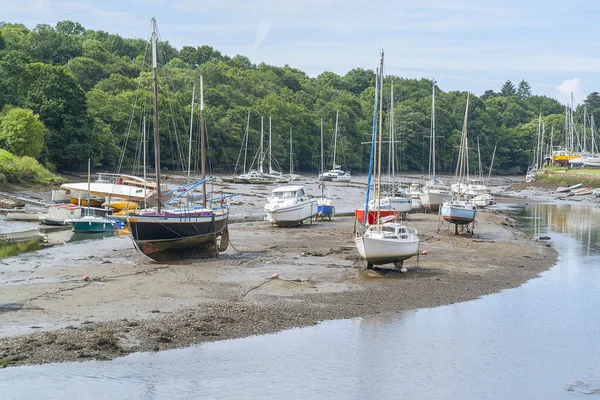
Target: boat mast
(270, 155)
(335, 138)
(584, 140)
(191, 126)
(542, 146)
(492, 164)
(89, 189)
(372, 157)
(262, 156)
(144, 150)
(432, 143)
(202, 144)
(380, 141)
(322, 178)
(572, 144)
(537, 151)
(246, 139)
(392, 138)
(291, 154)
(155, 103)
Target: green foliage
(24, 169)
(92, 91)
(22, 132)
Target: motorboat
(289, 205)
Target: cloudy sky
(465, 45)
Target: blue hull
(325, 210)
(456, 215)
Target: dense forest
(68, 94)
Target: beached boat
(289, 206)
(92, 224)
(325, 207)
(383, 242)
(336, 174)
(460, 211)
(184, 230)
(435, 192)
(415, 193)
(58, 214)
(567, 189)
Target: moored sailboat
(187, 230)
(460, 211)
(383, 242)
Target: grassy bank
(26, 170)
(557, 178)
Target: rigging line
(135, 100)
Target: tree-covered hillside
(68, 94)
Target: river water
(537, 341)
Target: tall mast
(492, 164)
(593, 134)
(202, 142)
(144, 151)
(572, 125)
(322, 186)
(155, 103)
(335, 138)
(191, 126)
(584, 139)
(270, 166)
(380, 141)
(432, 144)
(291, 154)
(262, 155)
(89, 199)
(551, 141)
(246, 140)
(542, 146)
(537, 151)
(566, 129)
(392, 138)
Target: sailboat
(325, 206)
(336, 174)
(460, 211)
(383, 242)
(236, 178)
(187, 230)
(91, 223)
(291, 176)
(434, 193)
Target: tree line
(69, 94)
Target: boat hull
(292, 214)
(381, 251)
(432, 201)
(165, 237)
(90, 226)
(458, 213)
(401, 204)
(325, 210)
(359, 214)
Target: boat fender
(425, 252)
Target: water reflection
(578, 221)
(15, 243)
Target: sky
(464, 45)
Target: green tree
(524, 89)
(508, 89)
(87, 71)
(23, 132)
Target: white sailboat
(460, 211)
(336, 174)
(324, 203)
(383, 242)
(435, 192)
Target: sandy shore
(48, 313)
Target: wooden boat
(188, 230)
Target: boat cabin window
(283, 195)
(388, 229)
(300, 193)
